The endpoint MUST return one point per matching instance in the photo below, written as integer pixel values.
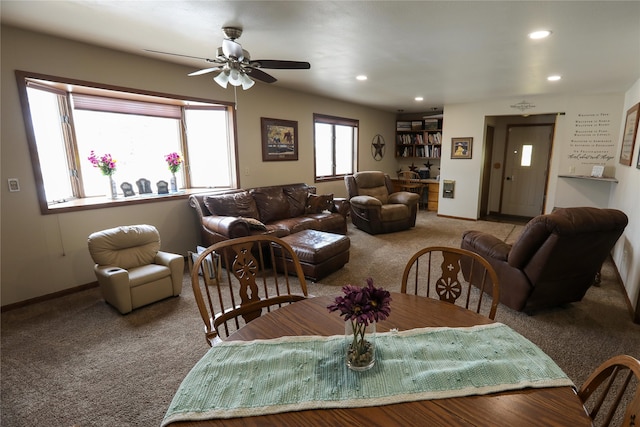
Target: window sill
(102, 202)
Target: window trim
(93, 88)
(335, 120)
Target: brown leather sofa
(280, 210)
(555, 259)
(375, 207)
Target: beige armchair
(375, 207)
(130, 268)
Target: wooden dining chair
(409, 181)
(248, 285)
(613, 394)
(453, 275)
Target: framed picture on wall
(461, 148)
(629, 135)
(279, 139)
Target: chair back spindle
(608, 387)
(454, 275)
(249, 284)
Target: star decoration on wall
(377, 147)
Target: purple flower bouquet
(361, 307)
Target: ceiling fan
(234, 64)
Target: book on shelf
(403, 126)
(416, 125)
(431, 124)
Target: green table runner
(238, 378)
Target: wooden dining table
(551, 406)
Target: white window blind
(125, 106)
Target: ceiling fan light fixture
(234, 77)
(222, 79)
(247, 83)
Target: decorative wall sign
(523, 106)
(279, 139)
(378, 147)
(629, 135)
(461, 148)
(591, 142)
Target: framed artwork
(279, 139)
(461, 148)
(629, 135)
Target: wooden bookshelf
(421, 139)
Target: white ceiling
(445, 51)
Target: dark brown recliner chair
(375, 207)
(555, 259)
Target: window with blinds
(335, 142)
(70, 120)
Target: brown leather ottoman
(320, 253)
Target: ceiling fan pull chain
(235, 94)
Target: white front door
(526, 167)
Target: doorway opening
(517, 154)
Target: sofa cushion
(330, 222)
(319, 203)
(294, 225)
(271, 202)
(234, 204)
(297, 198)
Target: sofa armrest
(486, 245)
(230, 227)
(365, 202)
(341, 205)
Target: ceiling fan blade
(178, 54)
(260, 75)
(281, 65)
(233, 49)
(204, 71)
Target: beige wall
(626, 196)
(43, 254)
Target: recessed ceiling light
(554, 78)
(419, 98)
(361, 77)
(541, 34)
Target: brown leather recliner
(375, 207)
(555, 259)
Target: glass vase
(361, 350)
(112, 191)
(173, 183)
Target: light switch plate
(14, 184)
